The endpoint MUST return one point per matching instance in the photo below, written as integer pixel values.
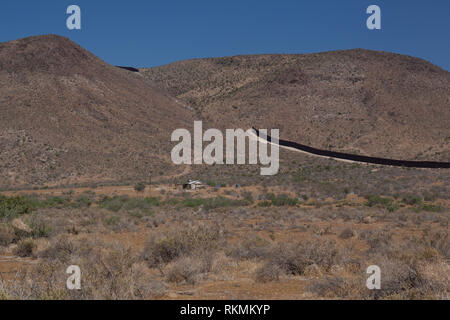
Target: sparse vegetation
(308, 232)
(194, 241)
(213, 203)
(166, 247)
(279, 201)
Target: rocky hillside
(69, 117)
(358, 101)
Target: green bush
(53, 202)
(113, 204)
(221, 202)
(284, 201)
(392, 207)
(193, 203)
(11, 207)
(279, 201)
(171, 202)
(378, 201)
(83, 201)
(139, 187)
(112, 220)
(412, 200)
(265, 203)
(432, 208)
(152, 201)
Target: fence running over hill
(358, 158)
(128, 68)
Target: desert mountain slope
(357, 101)
(67, 116)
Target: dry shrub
(437, 276)
(406, 279)
(165, 247)
(6, 234)
(267, 272)
(378, 240)
(253, 246)
(403, 264)
(438, 240)
(190, 269)
(61, 249)
(222, 263)
(347, 233)
(399, 280)
(337, 287)
(109, 271)
(293, 258)
(25, 248)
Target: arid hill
(358, 101)
(69, 117)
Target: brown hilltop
(47, 54)
(358, 101)
(67, 116)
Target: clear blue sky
(155, 32)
